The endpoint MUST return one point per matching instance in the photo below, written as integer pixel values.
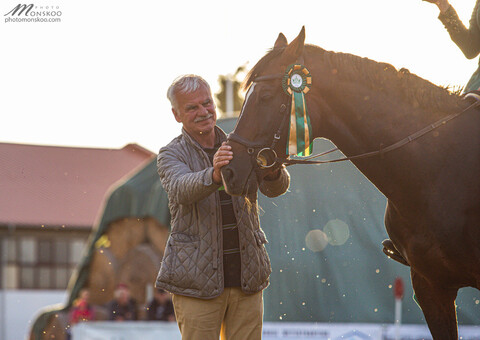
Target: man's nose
(204, 111)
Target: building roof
(60, 186)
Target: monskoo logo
(20, 9)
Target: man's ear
(177, 117)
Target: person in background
(81, 310)
(160, 308)
(215, 262)
(123, 307)
(468, 40)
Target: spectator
(81, 310)
(160, 307)
(123, 307)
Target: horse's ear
(281, 41)
(296, 47)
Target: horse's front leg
(438, 306)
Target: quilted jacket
(468, 40)
(192, 262)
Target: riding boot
(392, 252)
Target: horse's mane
(261, 65)
(376, 75)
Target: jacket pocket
(261, 241)
(259, 263)
(179, 267)
(260, 237)
(183, 238)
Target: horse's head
(260, 135)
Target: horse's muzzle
(239, 185)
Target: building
(50, 197)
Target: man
(468, 40)
(160, 307)
(123, 307)
(215, 263)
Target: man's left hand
(221, 158)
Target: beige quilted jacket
(192, 263)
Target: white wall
(19, 309)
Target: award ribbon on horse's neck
(296, 83)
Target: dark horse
(431, 178)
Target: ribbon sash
(300, 133)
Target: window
(28, 250)
(8, 271)
(45, 262)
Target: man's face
(161, 297)
(196, 111)
(123, 296)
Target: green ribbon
(300, 114)
(296, 83)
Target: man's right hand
(441, 4)
(221, 158)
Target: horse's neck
(363, 122)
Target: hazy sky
(98, 78)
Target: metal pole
(398, 317)
(398, 291)
(229, 96)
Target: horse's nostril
(227, 174)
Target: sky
(99, 77)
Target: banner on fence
(107, 330)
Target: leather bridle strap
(389, 148)
(243, 141)
(251, 146)
(276, 137)
(268, 77)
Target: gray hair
(185, 84)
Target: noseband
(263, 155)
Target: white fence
(271, 330)
(19, 308)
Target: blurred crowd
(123, 307)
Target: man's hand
(221, 158)
(441, 4)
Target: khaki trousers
(234, 315)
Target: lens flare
(316, 240)
(337, 232)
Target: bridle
(266, 157)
